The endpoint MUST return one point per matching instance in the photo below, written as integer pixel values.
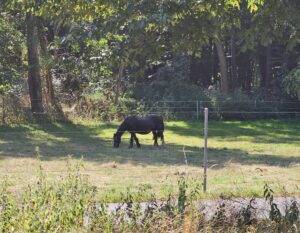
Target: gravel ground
(259, 206)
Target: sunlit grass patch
(242, 156)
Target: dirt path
(260, 207)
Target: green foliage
(11, 44)
(282, 19)
(7, 208)
(182, 196)
(170, 83)
(245, 215)
(60, 206)
(292, 213)
(284, 221)
(107, 48)
(291, 83)
(98, 106)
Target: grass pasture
(243, 156)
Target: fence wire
(13, 109)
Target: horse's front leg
(155, 138)
(131, 141)
(136, 140)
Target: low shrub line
(69, 205)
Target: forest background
(103, 59)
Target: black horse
(133, 124)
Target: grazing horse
(145, 125)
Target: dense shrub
(47, 207)
(170, 83)
(11, 45)
(98, 107)
(291, 83)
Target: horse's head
(117, 140)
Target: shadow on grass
(263, 131)
(93, 142)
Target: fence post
(3, 110)
(205, 148)
(200, 106)
(197, 110)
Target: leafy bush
(291, 83)
(247, 107)
(11, 43)
(47, 207)
(106, 110)
(170, 83)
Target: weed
(245, 216)
(284, 222)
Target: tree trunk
(118, 83)
(34, 79)
(50, 94)
(245, 70)
(223, 67)
(234, 80)
(261, 57)
(268, 67)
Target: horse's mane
(122, 127)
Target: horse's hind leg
(155, 135)
(131, 140)
(162, 138)
(136, 140)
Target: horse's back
(145, 124)
(155, 117)
(157, 120)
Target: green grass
(243, 156)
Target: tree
(291, 83)
(11, 43)
(273, 32)
(34, 78)
(194, 25)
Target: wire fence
(229, 109)
(14, 109)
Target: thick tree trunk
(223, 67)
(50, 94)
(245, 70)
(34, 79)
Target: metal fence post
(3, 109)
(200, 106)
(197, 109)
(205, 148)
